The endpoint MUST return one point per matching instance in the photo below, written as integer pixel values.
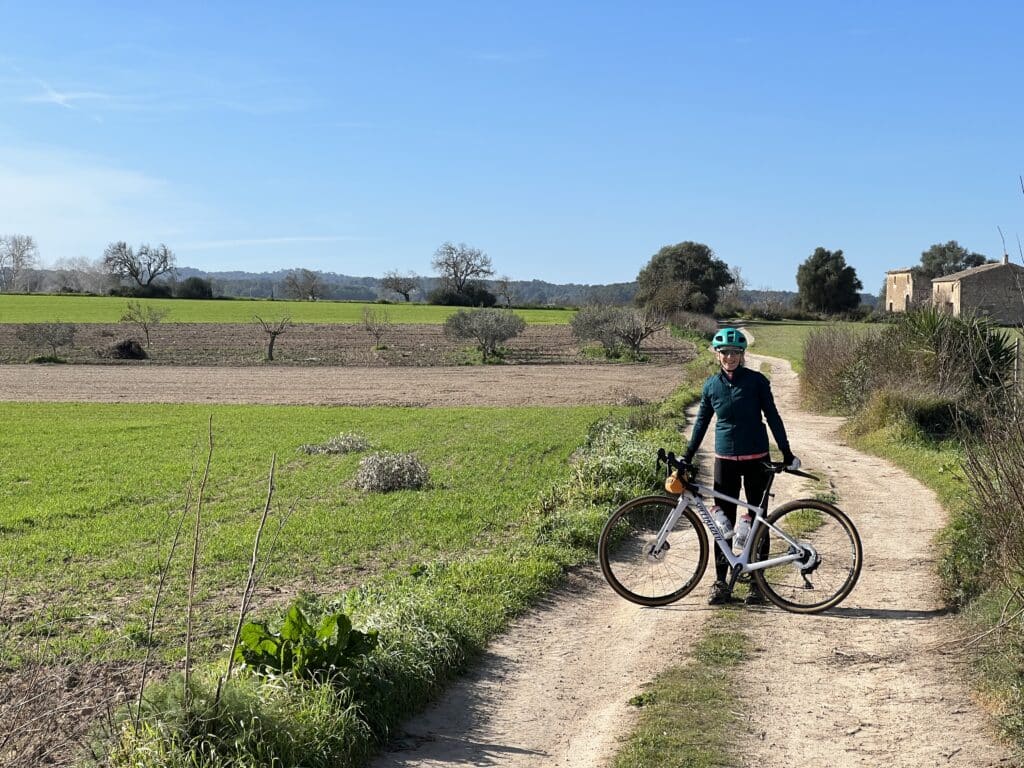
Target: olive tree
(488, 327)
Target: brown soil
(313, 345)
(865, 684)
(436, 387)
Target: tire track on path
(865, 683)
(553, 691)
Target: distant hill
(348, 287)
(340, 287)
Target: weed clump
(384, 471)
(346, 442)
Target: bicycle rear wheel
(638, 571)
(830, 561)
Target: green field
(89, 496)
(785, 338)
(46, 308)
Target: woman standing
(738, 397)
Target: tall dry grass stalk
(251, 580)
(194, 570)
(161, 583)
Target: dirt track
(866, 684)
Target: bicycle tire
(832, 571)
(645, 577)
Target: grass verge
(785, 338)
(689, 713)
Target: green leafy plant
(300, 649)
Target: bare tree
(403, 285)
(48, 335)
(273, 329)
(304, 285)
(377, 324)
(143, 266)
(457, 264)
(615, 326)
(19, 255)
(79, 275)
(635, 325)
(143, 315)
(731, 292)
(503, 290)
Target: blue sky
(568, 140)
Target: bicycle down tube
(690, 499)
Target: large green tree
(946, 258)
(686, 276)
(827, 284)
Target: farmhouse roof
(977, 271)
(903, 269)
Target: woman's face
(730, 358)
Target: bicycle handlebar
(778, 467)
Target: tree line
(686, 276)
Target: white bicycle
(654, 549)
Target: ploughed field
(319, 344)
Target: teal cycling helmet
(729, 337)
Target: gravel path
(863, 685)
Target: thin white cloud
(244, 242)
(75, 204)
(64, 99)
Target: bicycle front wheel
(636, 567)
(830, 556)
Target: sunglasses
(730, 352)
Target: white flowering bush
(614, 465)
(384, 471)
(347, 442)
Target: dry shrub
(994, 465)
(346, 442)
(383, 472)
(702, 325)
(836, 362)
(126, 349)
(49, 336)
(935, 355)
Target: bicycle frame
(742, 560)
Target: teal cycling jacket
(738, 405)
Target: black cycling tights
(729, 475)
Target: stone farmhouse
(994, 290)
